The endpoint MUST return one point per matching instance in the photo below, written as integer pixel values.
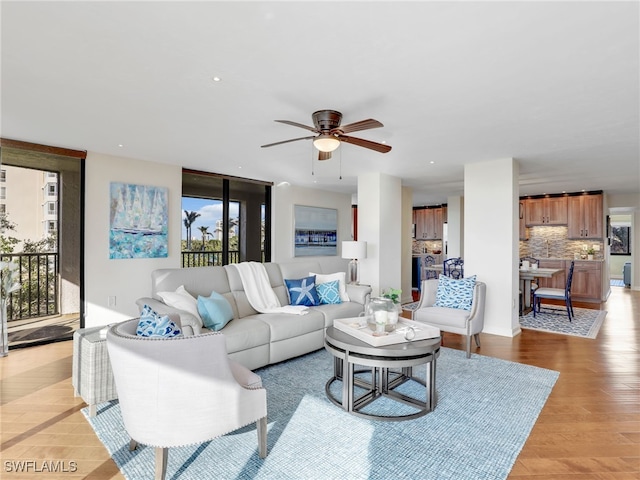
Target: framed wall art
(138, 221)
(315, 231)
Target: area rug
(586, 322)
(616, 282)
(485, 411)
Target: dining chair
(532, 261)
(429, 261)
(453, 267)
(555, 294)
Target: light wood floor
(588, 430)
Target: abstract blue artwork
(138, 215)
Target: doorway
(48, 305)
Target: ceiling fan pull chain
(340, 164)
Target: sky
(210, 211)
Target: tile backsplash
(430, 245)
(552, 242)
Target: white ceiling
(553, 85)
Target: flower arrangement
(392, 294)
(591, 251)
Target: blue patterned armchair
(453, 320)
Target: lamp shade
(354, 250)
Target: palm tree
(205, 232)
(190, 217)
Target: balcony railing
(207, 258)
(38, 293)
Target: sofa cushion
(302, 291)
(329, 292)
(215, 311)
(152, 324)
(455, 293)
(331, 277)
(182, 300)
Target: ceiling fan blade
(324, 155)
(287, 141)
(361, 125)
(296, 124)
(378, 147)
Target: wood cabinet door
(592, 216)
(437, 223)
(556, 210)
(574, 217)
(419, 221)
(587, 281)
(559, 279)
(534, 212)
(522, 221)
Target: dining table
(529, 274)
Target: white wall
(455, 232)
(407, 242)
(491, 239)
(125, 279)
(283, 199)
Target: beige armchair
(157, 377)
(464, 322)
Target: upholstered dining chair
(555, 294)
(182, 390)
(453, 320)
(429, 261)
(453, 267)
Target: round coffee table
(349, 351)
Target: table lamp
(354, 251)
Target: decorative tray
(357, 327)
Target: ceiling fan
(330, 134)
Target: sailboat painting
(138, 217)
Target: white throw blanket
(261, 296)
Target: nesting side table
(91, 373)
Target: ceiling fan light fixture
(326, 142)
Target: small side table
(91, 373)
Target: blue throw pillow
(302, 291)
(152, 324)
(455, 293)
(215, 311)
(329, 293)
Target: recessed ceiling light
(283, 184)
(216, 79)
(239, 167)
(432, 162)
(120, 145)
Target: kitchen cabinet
(524, 233)
(585, 217)
(587, 280)
(559, 280)
(428, 223)
(546, 211)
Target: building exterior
(29, 198)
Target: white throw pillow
(182, 300)
(332, 277)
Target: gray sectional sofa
(256, 339)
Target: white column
(407, 243)
(380, 225)
(491, 239)
(455, 222)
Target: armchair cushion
(152, 324)
(302, 291)
(215, 311)
(455, 293)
